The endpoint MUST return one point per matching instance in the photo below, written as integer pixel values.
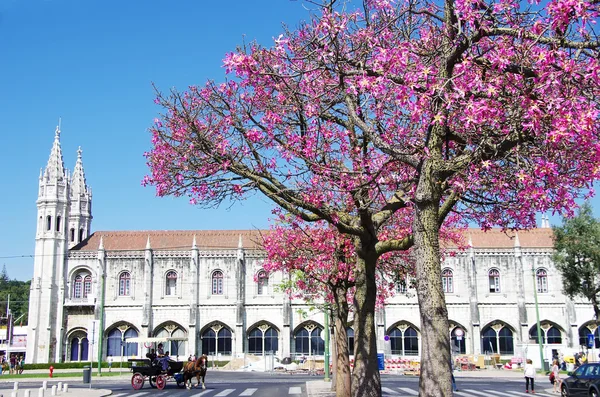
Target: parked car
(584, 381)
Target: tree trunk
(365, 377)
(342, 361)
(435, 377)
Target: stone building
(206, 290)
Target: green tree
(577, 257)
(19, 297)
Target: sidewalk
(61, 389)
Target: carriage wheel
(152, 380)
(161, 382)
(137, 381)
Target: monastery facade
(207, 290)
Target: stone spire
(78, 185)
(55, 169)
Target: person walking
(557, 379)
(529, 376)
(110, 361)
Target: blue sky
(92, 64)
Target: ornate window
(308, 340)
(48, 222)
(116, 344)
(404, 340)
(87, 285)
(550, 334)
(216, 339)
(77, 287)
(125, 284)
(263, 339)
(447, 280)
(80, 235)
(171, 283)
(176, 346)
(262, 283)
(82, 285)
(589, 328)
(497, 338)
(541, 277)
(494, 279)
(217, 283)
(72, 235)
(58, 223)
(401, 284)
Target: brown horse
(195, 368)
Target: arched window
(583, 335)
(550, 334)
(77, 287)
(498, 339)
(84, 349)
(458, 343)
(263, 340)
(87, 285)
(58, 223)
(171, 283)
(404, 341)
(447, 281)
(308, 340)
(72, 235)
(115, 348)
(48, 223)
(217, 283)
(75, 349)
(209, 342)
(216, 340)
(177, 345)
(80, 235)
(350, 334)
(541, 277)
(124, 284)
(401, 284)
(494, 279)
(262, 282)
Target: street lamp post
(537, 316)
(326, 359)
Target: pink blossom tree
(320, 262)
(486, 111)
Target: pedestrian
(557, 380)
(110, 360)
(529, 376)
(452, 375)
(21, 364)
(13, 363)
(160, 352)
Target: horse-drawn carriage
(156, 375)
(157, 371)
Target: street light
(537, 316)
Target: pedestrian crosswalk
(241, 392)
(297, 391)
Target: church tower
(63, 203)
(80, 209)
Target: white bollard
(27, 393)
(45, 384)
(59, 388)
(41, 392)
(53, 392)
(13, 394)
(16, 386)
(66, 387)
